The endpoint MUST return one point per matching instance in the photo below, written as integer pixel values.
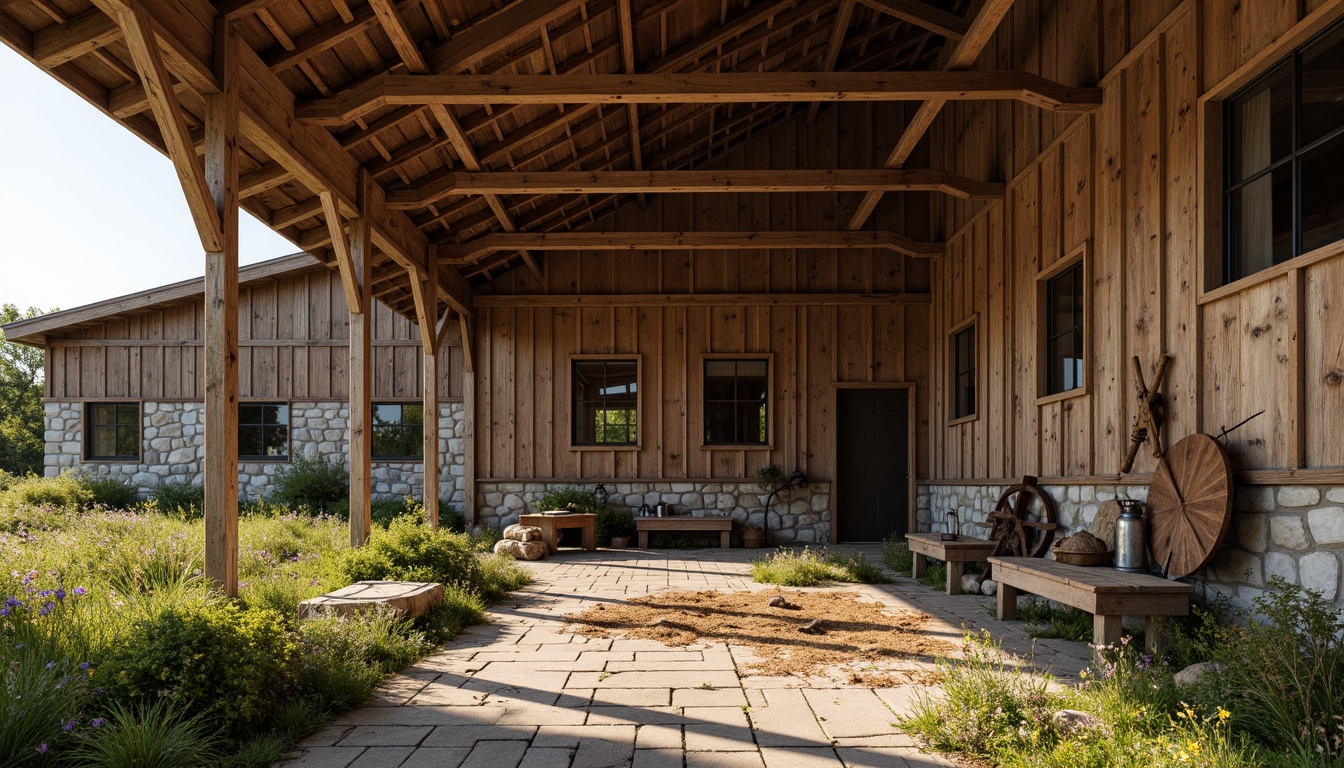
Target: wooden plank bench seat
(956, 554)
(724, 525)
(1109, 595)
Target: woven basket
(1087, 559)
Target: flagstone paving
(521, 692)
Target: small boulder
(989, 587)
(522, 550)
(522, 533)
(970, 583)
(1194, 674)
(778, 601)
(1071, 721)
(814, 627)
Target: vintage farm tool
(1013, 531)
(1152, 412)
(1189, 505)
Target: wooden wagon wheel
(1189, 505)
(1014, 533)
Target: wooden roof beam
(82, 34)
(922, 15)
(589, 182)
(839, 26)
(962, 58)
(685, 241)
(703, 88)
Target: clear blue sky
(88, 211)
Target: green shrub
(499, 575)
(1064, 622)
(63, 492)
(179, 497)
(484, 538)
(194, 654)
(809, 567)
(935, 574)
(569, 497)
(151, 735)
(109, 492)
(6, 480)
(409, 551)
(613, 522)
(37, 701)
(261, 751)
(897, 556)
(311, 484)
(346, 657)
(461, 608)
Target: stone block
(1327, 525)
(410, 599)
(521, 550)
(1335, 495)
(1255, 498)
(1253, 532)
(1238, 566)
(1288, 532)
(1319, 571)
(1282, 565)
(1298, 496)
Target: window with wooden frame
(1062, 301)
(1283, 146)
(962, 356)
(398, 432)
(112, 431)
(605, 393)
(263, 431)
(737, 401)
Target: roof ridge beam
(696, 87)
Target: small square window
(737, 402)
(1064, 313)
(606, 402)
(398, 431)
(963, 372)
(112, 431)
(263, 431)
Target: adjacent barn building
(907, 248)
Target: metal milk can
(1131, 545)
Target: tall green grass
(809, 567)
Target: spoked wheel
(1023, 522)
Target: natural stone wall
(802, 516)
(172, 442)
(1292, 531)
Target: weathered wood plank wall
(292, 333)
(523, 352)
(1125, 184)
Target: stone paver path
(522, 693)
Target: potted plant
(614, 527)
(753, 537)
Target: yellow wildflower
(1223, 714)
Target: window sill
(736, 447)
(397, 459)
(963, 420)
(1324, 253)
(1067, 394)
(635, 447)
(263, 460)
(112, 460)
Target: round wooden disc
(1189, 505)
(1103, 525)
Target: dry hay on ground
(865, 637)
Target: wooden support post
(431, 432)
(361, 385)
(221, 323)
(468, 426)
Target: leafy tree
(21, 371)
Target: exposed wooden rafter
(962, 58)
(923, 15)
(82, 34)
(702, 88)
(843, 14)
(686, 241)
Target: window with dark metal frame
(737, 401)
(263, 431)
(1064, 335)
(111, 431)
(398, 431)
(606, 402)
(963, 372)
(1283, 147)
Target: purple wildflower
(70, 726)
(51, 665)
(13, 602)
(97, 722)
(42, 748)
(60, 594)
(4, 611)
(84, 666)
(79, 591)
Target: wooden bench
(956, 554)
(724, 525)
(551, 525)
(1109, 595)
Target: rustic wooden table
(955, 553)
(1109, 595)
(724, 525)
(551, 525)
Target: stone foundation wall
(1292, 531)
(801, 517)
(172, 443)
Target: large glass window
(1284, 144)
(263, 431)
(1064, 331)
(112, 431)
(398, 431)
(963, 372)
(606, 402)
(737, 402)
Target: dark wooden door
(871, 476)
